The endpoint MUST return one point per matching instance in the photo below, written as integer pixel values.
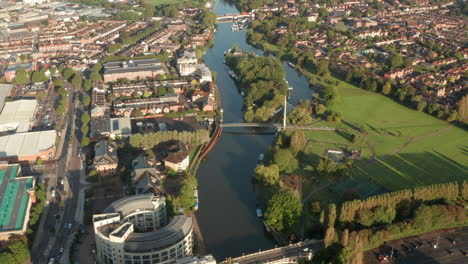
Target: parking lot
(452, 247)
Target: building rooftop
(22, 144)
(5, 90)
(20, 112)
(174, 232)
(120, 126)
(105, 149)
(13, 197)
(176, 157)
(178, 228)
(115, 67)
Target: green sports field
(405, 148)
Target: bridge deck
(301, 249)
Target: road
(301, 249)
(67, 167)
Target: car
(52, 193)
(305, 249)
(69, 226)
(66, 225)
(61, 250)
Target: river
(226, 214)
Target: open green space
(436, 159)
(410, 148)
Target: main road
(53, 234)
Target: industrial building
(132, 69)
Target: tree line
(149, 140)
(368, 223)
(448, 191)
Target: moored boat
(259, 213)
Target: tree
(149, 10)
(95, 76)
(421, 106)
(283, 211)
(58, 83)
(38, 76)
(207, 19)
(39, 161)
(84, 129)
(322, 68)
(386, 88)
(378, 215)
(137, 113)
(330, 224)
(97, 67)
(396, 61)
(21, 76)
(85, 118)
(452, 116)
(432, 108)
(20, 250)
(77, 81)
(286, 161)
(345, 238)
(111, 97)
(458, 55)
(170, 11)
(68, 73)
(113, 48)
(462, 107)
(267, 175)
(87, 85)
(298, 141)
(85, 141)
(86, 100)
(61, 109)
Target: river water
(226, 214)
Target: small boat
(259, 213)
(196, 205)
(290, 88)
(291, 65)
(260, 157)
(266, 227)
(242, 93)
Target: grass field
(409, 148)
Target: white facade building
(132, 230)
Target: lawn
(437, 159)
(379, 114)
(426, 158)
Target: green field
(409, 148)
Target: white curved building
(133, 230)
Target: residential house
(105, 159)
(178, 161)
(145, 176)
